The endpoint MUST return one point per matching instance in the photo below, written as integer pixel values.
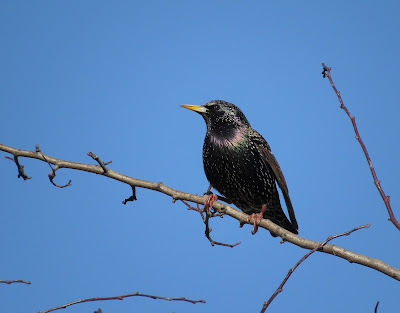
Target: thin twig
(280, 287)
(135, 294)
(20, 167)
(15, 281)
(131, 198)
(206, 219)
(213, 242)
(376, 307)
(225, 209)
(327, 73)
(97, 159)
(52, 174)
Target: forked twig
(327, 73)
(20, 167)
(206, 218)
(280, 287)
(101, 163)
(137, 294)
(52, 174)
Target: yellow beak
(196, 108)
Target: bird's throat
(227, 137)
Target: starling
(239, 164)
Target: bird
(239, 164)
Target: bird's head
(220, 116)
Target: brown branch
(225, 209)
(208, 230)
(52, 174)
(20, 167)
(135, 294)
(206, 219)
(327, 73)
(15, 281)
(97, 159)
(280, 287)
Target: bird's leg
(210, 199)
(257, 217)
(209, 202)
(220, 198)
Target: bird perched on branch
(238, 162)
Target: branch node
(101, 163)
(52, 175)
(20, 167)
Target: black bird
(238, 162)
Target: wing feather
(273, 163)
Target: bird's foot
(257, 217)
(210, 202)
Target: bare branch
(206, 219)
(97, 159)
(351, 256)
(280, 288)
(327, 73)
(20, 167)
(52, 174)
(207, 233)
(135, 294)
(15, 281)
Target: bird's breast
(236, 169)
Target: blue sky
(108, 77)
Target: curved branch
(291, 270)
(15, 281)
(135, 294)
(327, 73)
(243, 218)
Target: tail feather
(277, 216)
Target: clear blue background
(108, 76)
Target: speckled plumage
(238, 162)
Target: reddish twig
(327, 73)
(197, 209)
(208, 203)
(280, 288)
(15, 281)
(137, 294)
(208, 230)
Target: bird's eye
(213, 107)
